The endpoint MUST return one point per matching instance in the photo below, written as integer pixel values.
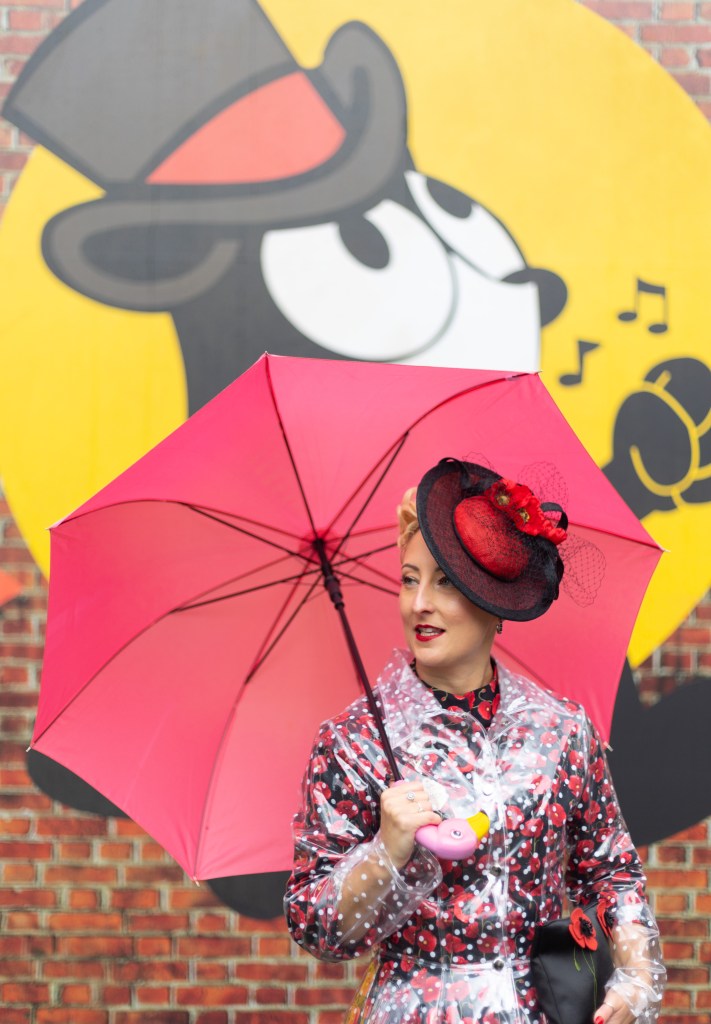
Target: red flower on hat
(582, 929)
(524, 510)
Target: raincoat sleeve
(604, 869)
(345, 894)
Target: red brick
(671, 854)
(210, 971)
(260, 971)
(214, 1017)
(676, 33)
(153, 996)
(15, 826)
(22, 921)
(115, 851)
(116, 995)
(687, 975)
(318, 996)
(153, 945)
(676, 951)
(25, 851)
(703, 1000)
(212, 995)
(25, 21)
(78, 852)
(702, 902)
(30, 992)
(89, 946)
(19, 968)
(677, 999)
(27, 898)
(19, 873)
(271, 996)
(273, 947)
(689, 878)
(71, 826)
(12, 945)
(71, 1015)
(82, 875)
(40, 945)
(701, 855)
(214, 923)
(620, 9)
(85, 922)
(75, 994)
(155, 875)
(323, 971)
(150, 970)
(134, 898)
(705, 953)
(16, 1016)
(199, 947)
(152, 1017)
(677, 11)
(83, 899)
(703, 56)
(157, 922)
(691, 928)
(72, 969)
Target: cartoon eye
(470, 230)
(374, 286)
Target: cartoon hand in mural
(662, 439)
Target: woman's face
(446, 632)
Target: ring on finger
(410, 796)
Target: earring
(500, 626)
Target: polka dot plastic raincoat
(450, 940)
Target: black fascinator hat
(494, 539)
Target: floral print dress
(452, 938)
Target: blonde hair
(407, 521)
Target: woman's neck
(472, 676)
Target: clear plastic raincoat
(452, 938)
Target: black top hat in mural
(190, 104)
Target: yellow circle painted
(85, 389)
(587, 151)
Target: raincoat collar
(406, 702)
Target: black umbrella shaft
(333, 588)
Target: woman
(454, 938)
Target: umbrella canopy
(192, 649)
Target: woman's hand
(405, 807)
(614, 1010)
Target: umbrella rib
(397, 449)
(247, 533)
(288, 448)
(399, 442)
(241, 593)
(235, 705)
(262, 657)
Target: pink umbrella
(192, 648)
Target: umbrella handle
(453, 838)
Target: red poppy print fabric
(452, 939)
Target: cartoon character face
(435, 278)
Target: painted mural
(508, 185)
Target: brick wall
(97, 924)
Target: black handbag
(569, 976)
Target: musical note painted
(568, 380)
(646, 288)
